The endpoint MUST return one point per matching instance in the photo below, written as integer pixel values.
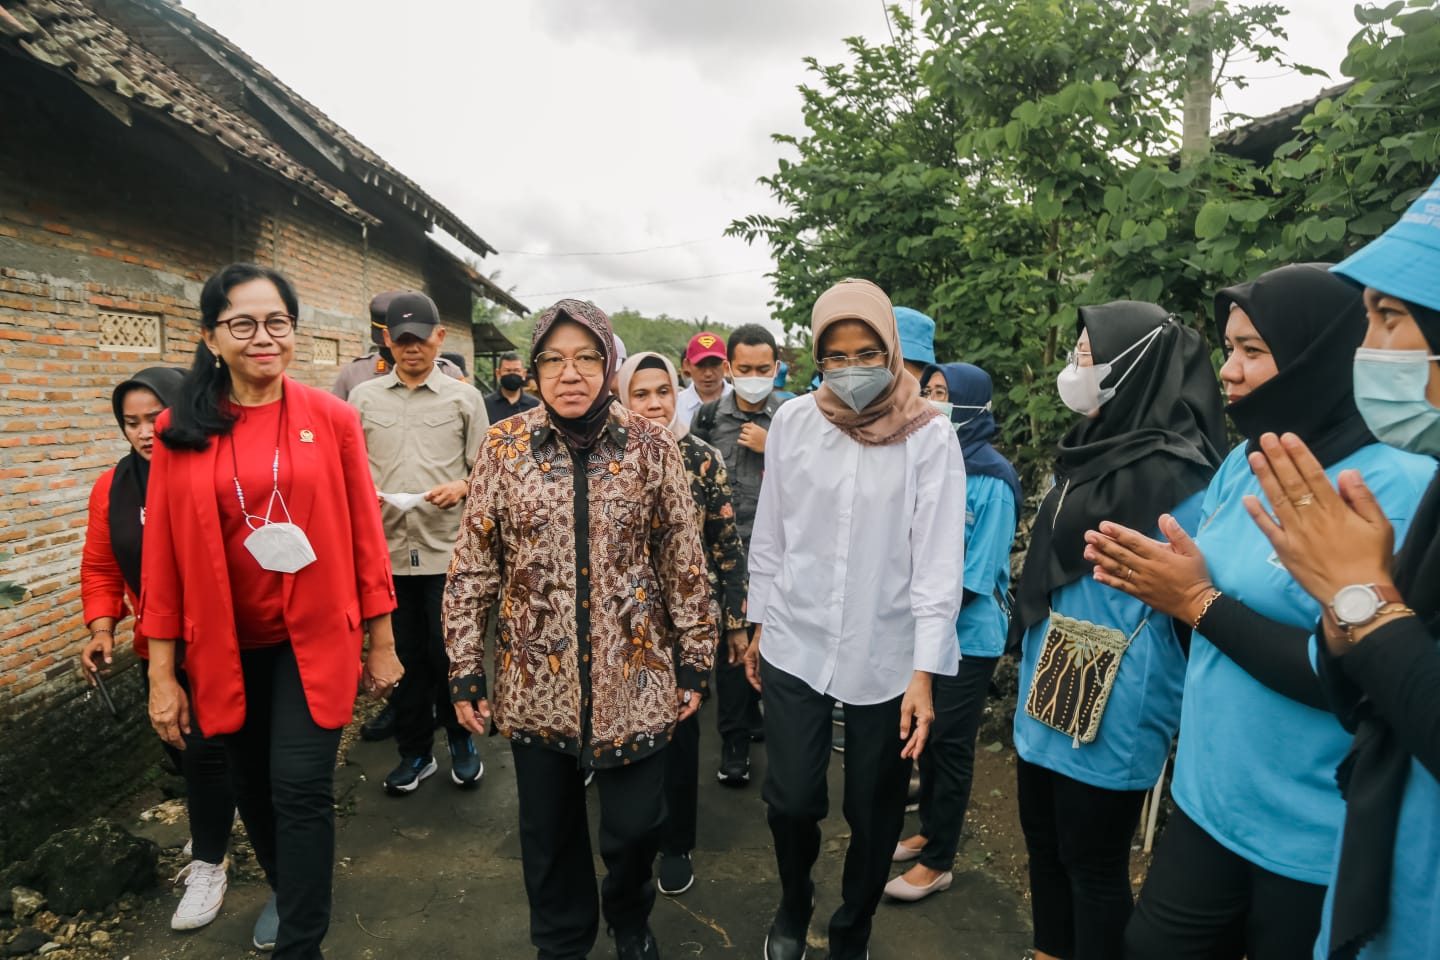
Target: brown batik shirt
(586, 660)
(710, 489)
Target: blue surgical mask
(1390, 393)
(858, 386)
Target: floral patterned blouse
(585, 660)
(710, 489)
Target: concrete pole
(1199, 91)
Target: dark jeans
(1079, 838)
(682, 789)
(209, 795)
(423, 695)
(737, 702)
(797, 743)
(947, 766)
(555, 847)
(284, 770)
(1203, 902)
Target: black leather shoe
(639, 945)
(379, 727)
(781, 946)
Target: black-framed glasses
(243, 328)
(588, 363)
(865, 358)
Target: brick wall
(97, 218)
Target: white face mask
(280, 547)
(1080, 387)
(754, 389)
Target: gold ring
(1129, 573)
(1305, 501)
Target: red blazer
(185, 583)
(103, 590)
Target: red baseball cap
(703, 346)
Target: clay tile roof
(68, 35)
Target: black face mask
(511, 382)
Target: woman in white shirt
(856, 568)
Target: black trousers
(555, 847)
(209, 794)
(797, 743)
(682, 787)
(737, 702)
(1203, 902)
(947, 765)
(284, 770)
(1078, 837)
(423, 695)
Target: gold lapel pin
(307, 436)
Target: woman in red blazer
(265, 555)
(109, 584)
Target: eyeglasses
(243, 328)
(866, 358)
(588, 363)
(1073, 357)
(935, 393)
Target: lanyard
(274, 470)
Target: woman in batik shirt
(648, 386)
(580, 526)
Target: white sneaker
(205, 885)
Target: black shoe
(676, 874)
(786, 937)
(639, 945)
(734, 762)
(466, 767)
(379, 727)
(409, 774)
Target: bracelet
(95, 633)
(1205, 607)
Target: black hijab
(1373, 774)
(132, 474)
(1157, 441)
(1312, 321)
(579, 432)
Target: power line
(644, 283)
(609, 253)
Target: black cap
(378, 305)
(411, 313)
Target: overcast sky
(577, 126)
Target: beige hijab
(627, 372)
(899, 410)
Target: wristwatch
(1361, 603)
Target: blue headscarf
(970, 390)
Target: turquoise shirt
(1412, 927)
(989, 534)
(1255, 769)
(1143, 712)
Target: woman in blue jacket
(962, 391)
(1101, 672)
(1243, 865)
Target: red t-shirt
(257, 593)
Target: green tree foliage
(1008, 160)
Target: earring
(217, 363)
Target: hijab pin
(307, 436)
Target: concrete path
(436, 875)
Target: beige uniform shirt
(417, 440)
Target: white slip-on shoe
(904, 854)
(205, 885)
(902, 889)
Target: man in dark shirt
(511, 397)
(737, 424)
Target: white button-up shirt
(687, 401)
(857, 561)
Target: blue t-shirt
(1255, 769)
(1143, 712)
(989, 534)
(1412, 927)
